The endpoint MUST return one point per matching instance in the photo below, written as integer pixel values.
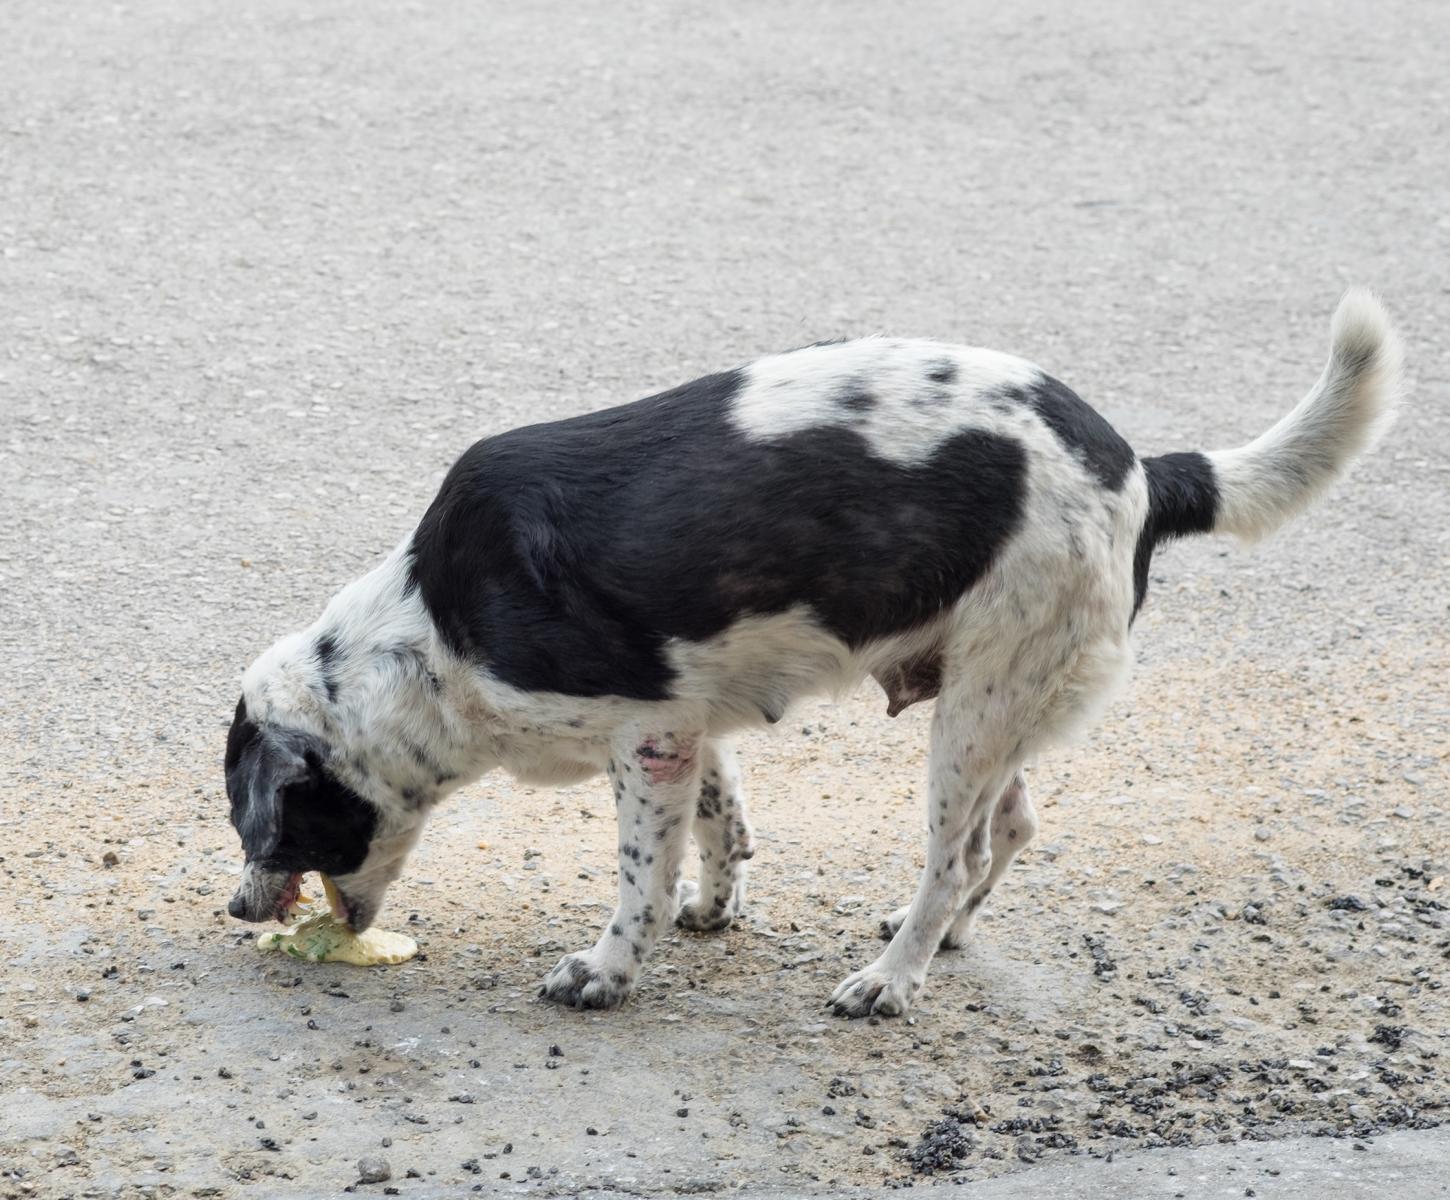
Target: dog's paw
(705, 914)
(891, 924)
(580, 982)
(873, 991)
(888, 927)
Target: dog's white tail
(1254, 489)
(1276, 476)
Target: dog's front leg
(656, 782)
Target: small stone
(373, 1169)
(110, 859)
(1261, 834)
(83, 994)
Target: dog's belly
(558, 773)
(546, 763)
(761, 665)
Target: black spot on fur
(1182, 499)
(942, 372)
(326, 652)
(856, 397)
(1080, 428)
(566, 556)
(420, 756)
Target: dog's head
(295, 815)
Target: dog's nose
(237, 907)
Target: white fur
(787, 393)
(1280, 473)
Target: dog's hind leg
(656, 787)
(722, 833)
(975, 752)
(1014, 824)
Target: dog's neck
(405, 720)
(401, 717)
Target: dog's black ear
(261, 764)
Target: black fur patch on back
(1182, 499)
(564, 556)
(1081, 429)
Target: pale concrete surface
(266, 268)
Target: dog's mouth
(287, 897)
(285, 909)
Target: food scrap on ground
(320, 937)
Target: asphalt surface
(267, 268)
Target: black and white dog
(621, 591)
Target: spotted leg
(722, 833)
(973, 757)
(1014, 824)
(656, 786)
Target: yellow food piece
(320, 937)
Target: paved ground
(266, 268)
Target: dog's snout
(237, 907)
